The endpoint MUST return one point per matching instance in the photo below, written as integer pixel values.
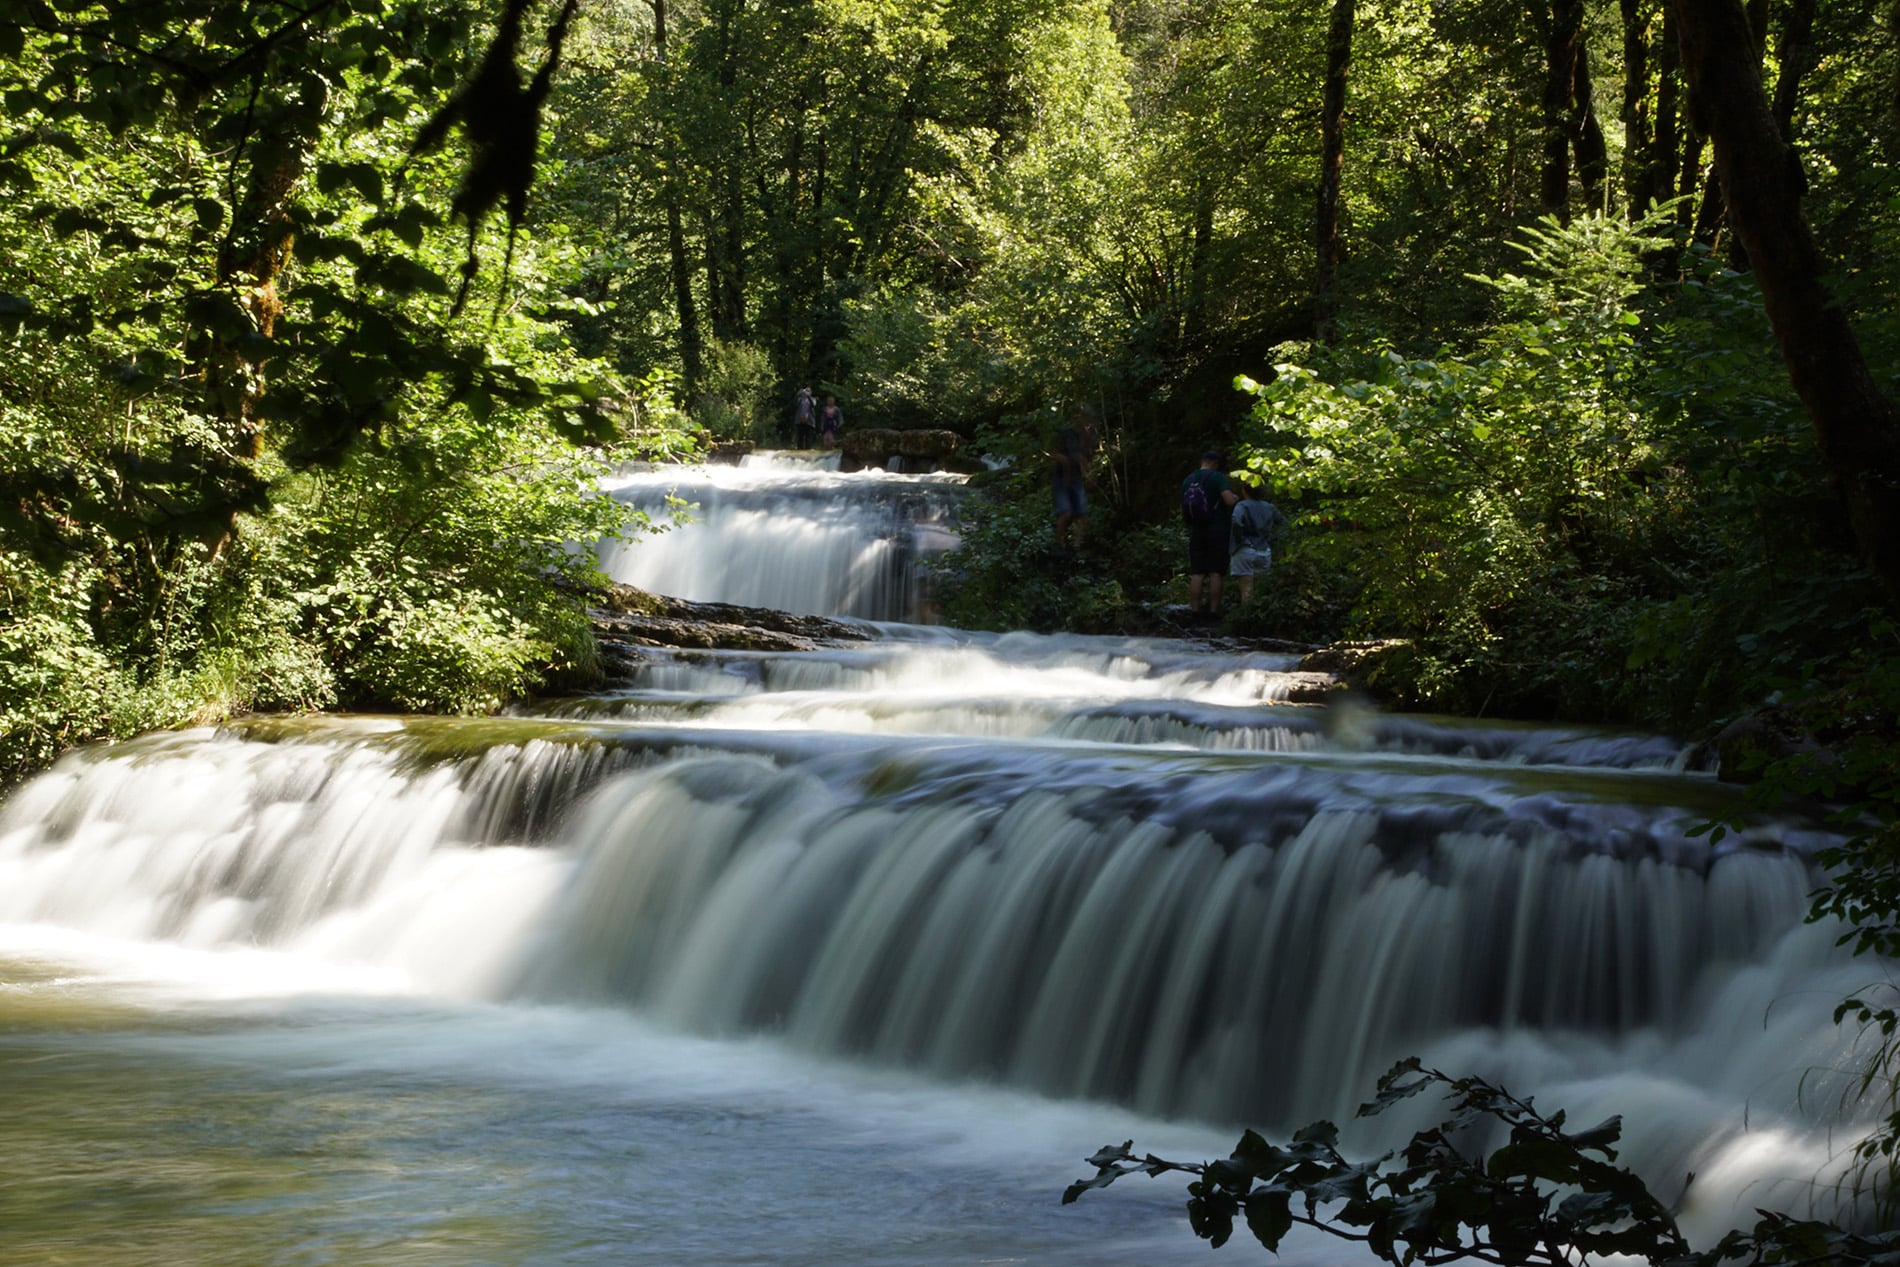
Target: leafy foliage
(1545, 1195)
(1576, 514)
(1008, 573)
(249, 457)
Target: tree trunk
(726, 230)
(1200, 245)
(1858, 428)
(1665, 155)
(1563, 29)
(684, 307)
(1586, 134)
(1794, 57)
(1893, 82)
(1332, 127)
(1638, 187)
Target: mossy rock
(1385, 667)
(876, 446)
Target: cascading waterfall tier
(798, 538)
(1050, 873)
(1222, 935)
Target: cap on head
(1211, 455)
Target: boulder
(626, 619)
(920, 450)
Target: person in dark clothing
(1072, 504)
(1206, 502)
(804, 418)
(831, 421)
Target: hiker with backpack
(1206, 500)
(1255, 523)
(804, 417)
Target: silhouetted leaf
(1269, 1215)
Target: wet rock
(1358, 660)
(626, 619)
(920, 450)
(1312, 688)
(729, 452)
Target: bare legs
(1213, 580)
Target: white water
(853, 955)
(791, 536)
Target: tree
(1856, 424)
(249, 454)
(1332, 155)
(1569, 111)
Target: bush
(735, 391)
(1578, 515)
(1008, 573)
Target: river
(851, 956)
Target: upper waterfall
(788, 535)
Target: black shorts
(1207, 550)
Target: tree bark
(1586, 134)
(1638, 185)
(1332, 124)
(1665, 156)
(726, 230)
(1794, 56)
(1200, 247)
(1563, 29)
(1858, 428)
(684, 307)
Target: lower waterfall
(941, 911)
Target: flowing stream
(850, 956)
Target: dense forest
(318, 318)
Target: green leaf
(1269, 1215)
(1259, 1158)
(1211, 1214)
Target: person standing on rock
(804, 412)
(1206, 501)
(1072, 505)
(831, 421)
(1250, 540)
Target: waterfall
(1196, 932)
(789, 536)
(948, 907)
